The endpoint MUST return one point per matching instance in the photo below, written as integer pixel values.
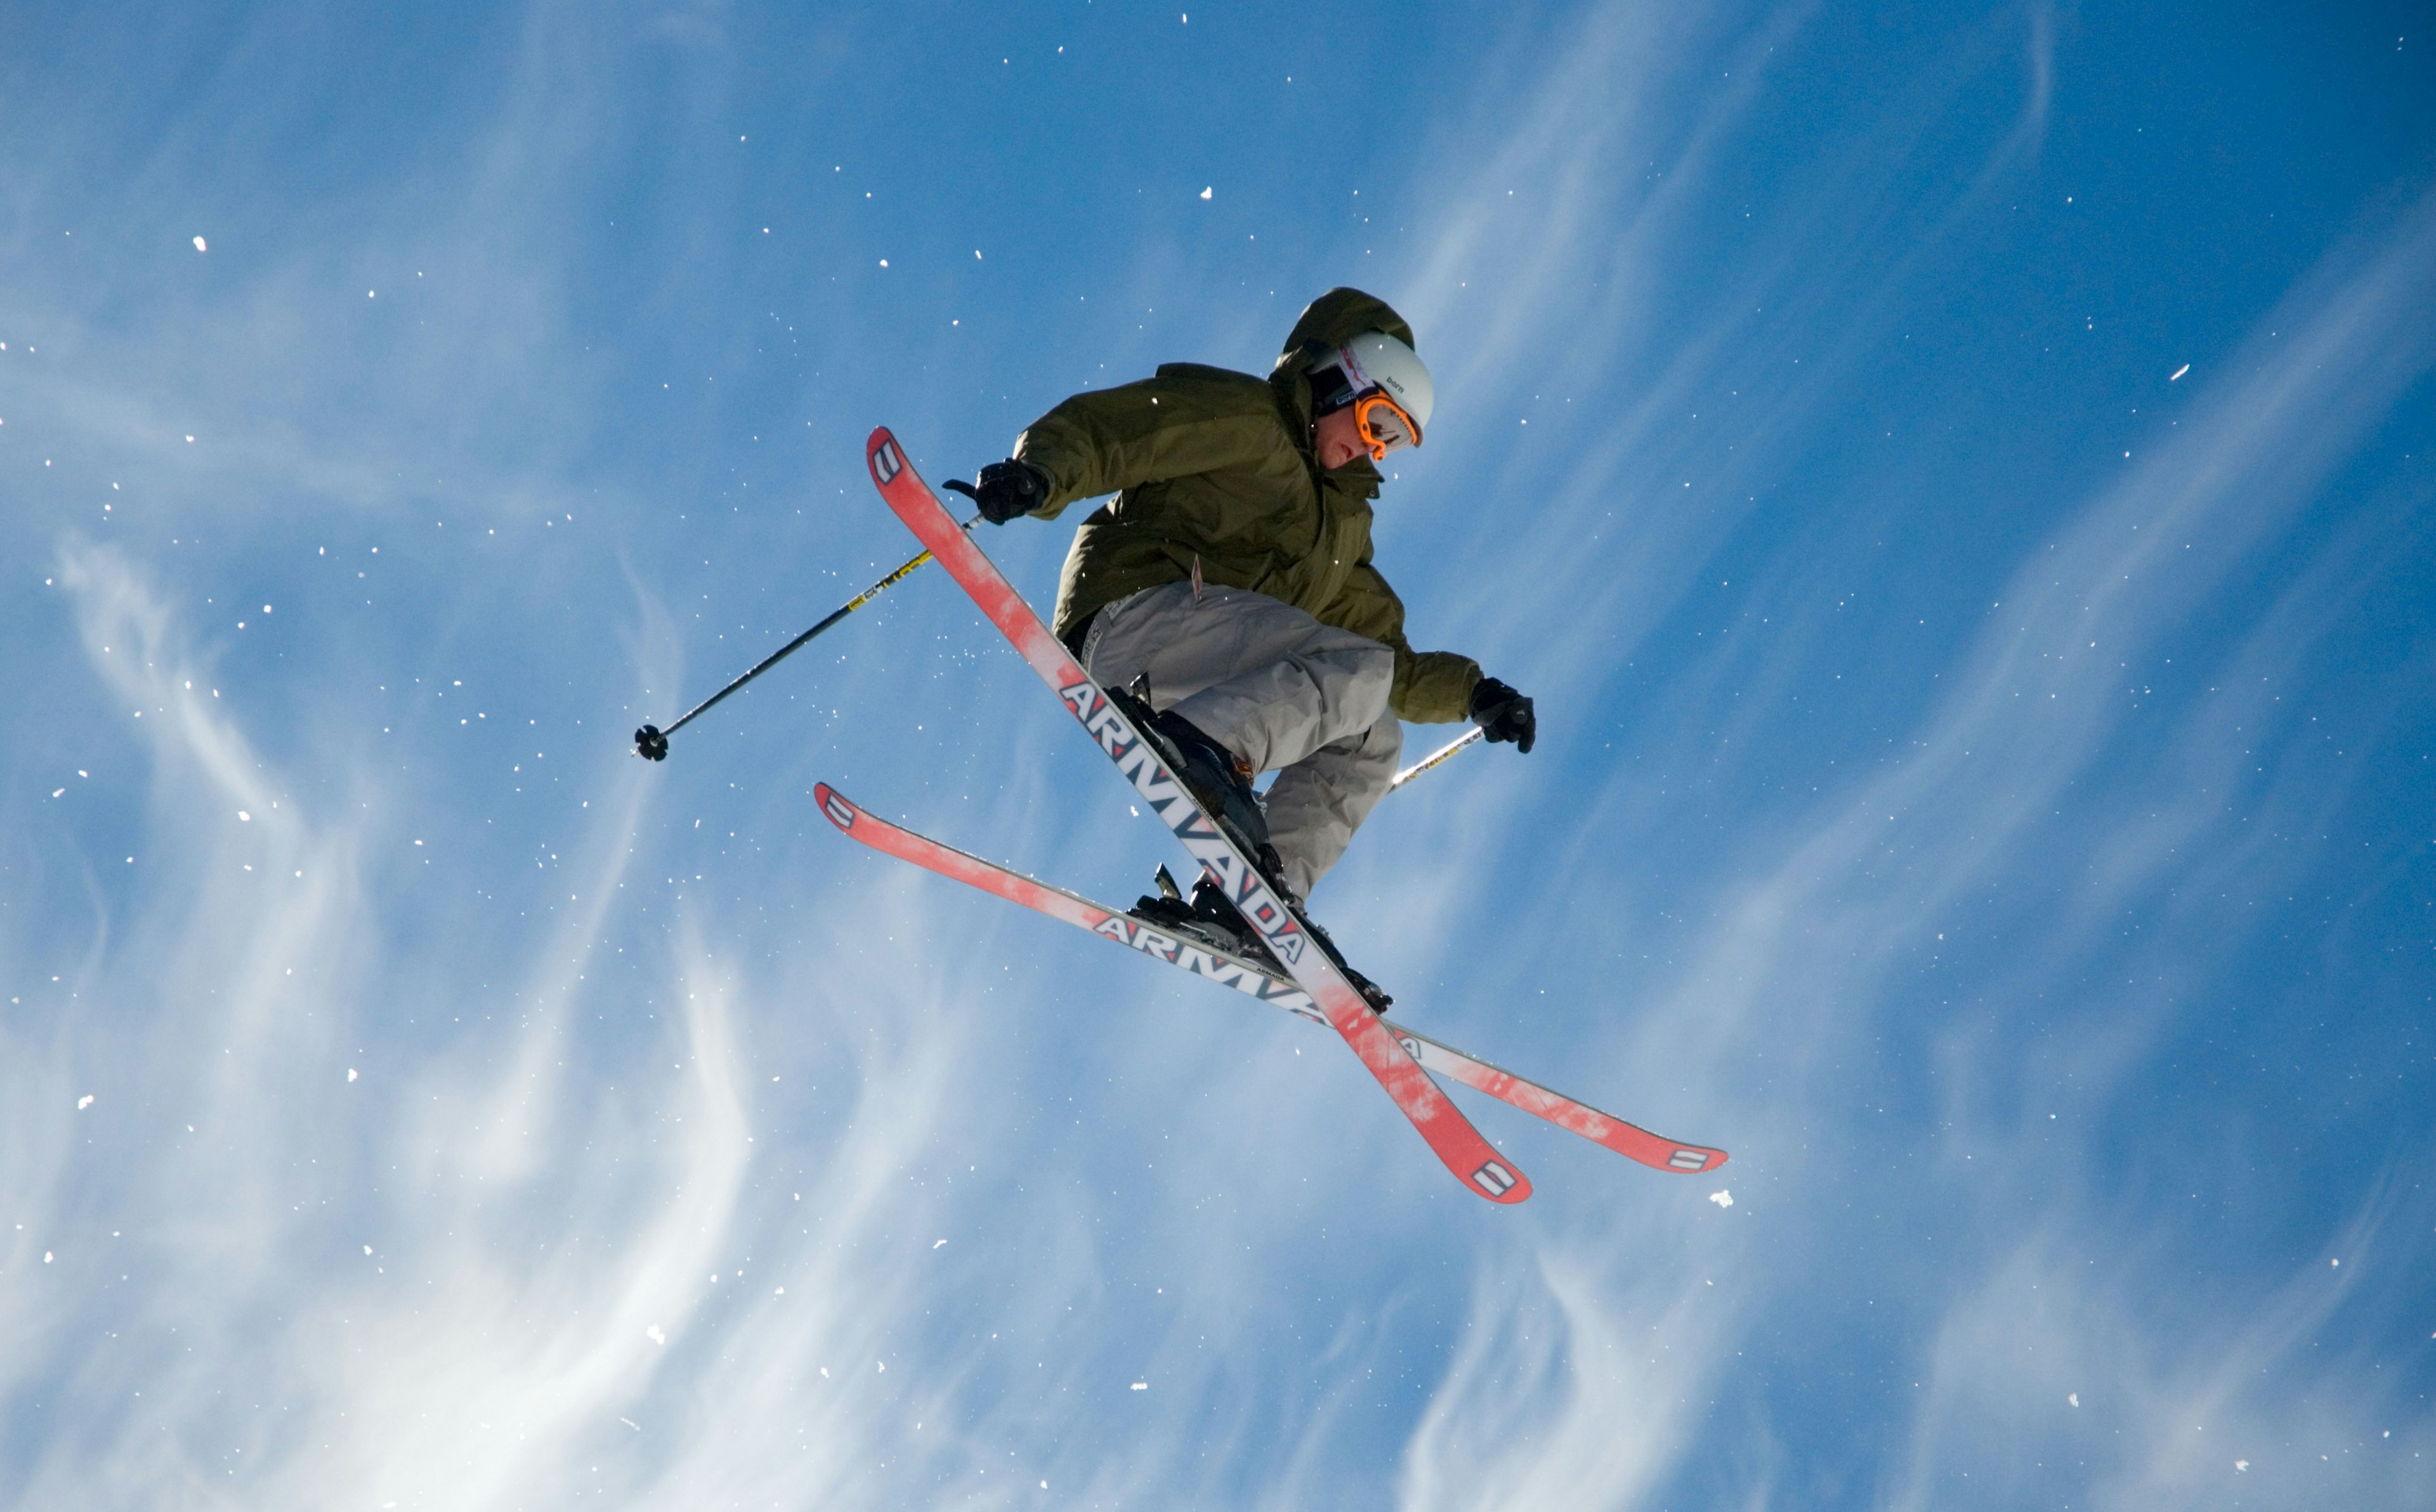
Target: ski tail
(1603, 1129)
(1259, 982)
(1465, 1154)
(1203, 959)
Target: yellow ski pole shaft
(1436, 757)
(653, 742)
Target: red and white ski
(1472, 1159)
(1258, 982)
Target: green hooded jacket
(1215, 467)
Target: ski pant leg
(1317, 804)
(1276, 686)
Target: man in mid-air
(1227, 587)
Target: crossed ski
(1256, 981)
(1471, 1158)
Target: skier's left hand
(1504, 714)
(1008, 489)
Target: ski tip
(841, 812)
(1499, 1182)
(884, 456)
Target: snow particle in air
(1142, 1385)
(654, 1334)
(198, 245)
(1722, 1198)
(85, 1101)
(351, 1073)
(2179, 372)
(368, 1249)
(1205, 193)
(2072, 1397)
(2241, 1465)
(941, 1245)
(244, 817)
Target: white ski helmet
(1374, 359)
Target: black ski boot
(1208, 917)
(1220, 780)
(1222, 783)
(1371, 992)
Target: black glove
(1504, 714)
(1007, 489)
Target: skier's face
(1337, 440)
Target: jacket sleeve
(1432, 686)
(1186, 420)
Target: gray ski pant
(1276, 686)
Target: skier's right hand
(1504, 714)
(1008, 489)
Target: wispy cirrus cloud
(647, 1027)
(1803, 961)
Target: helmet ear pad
(1330, 391)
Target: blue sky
(1956, 479)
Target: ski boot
(1371, 992)
(1206, 917)
(1218, 779)
(1210, 917)
(1223, 782)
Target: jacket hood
(1334, 319)
(1328, 323)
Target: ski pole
(652, 742)
(1434, 757)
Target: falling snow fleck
(1722, 1198)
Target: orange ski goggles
(1384, 425)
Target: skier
(1227, 589)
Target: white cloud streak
(1801, 955)
(804, 1071)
